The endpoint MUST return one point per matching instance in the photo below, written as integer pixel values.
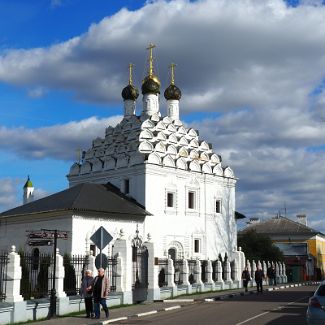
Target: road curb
(217, 298)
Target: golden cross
(150, 47)
(131, 65)
(172, 72)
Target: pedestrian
(273, 275)
(246, 278)
(100, 293)
(259, 276)
(86, 292)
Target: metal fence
(111, 272)
(3, 274)
(191, 269)
(178, 265)
(204, 266)
(163, 271)
(37, 274)
(74, 271)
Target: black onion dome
(130, 92)
(173, 92)
(150, 85)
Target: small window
(196, 246)
(126, 186)
(191, 200)
(170, 200)
(218, 206)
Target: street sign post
(101, 238)
(101, 261)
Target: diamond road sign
(101, 238)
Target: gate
(140, 269)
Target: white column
(59, 275)
(264, 268)
(124, 248)
(184, 276)
(285, 278)
(153, 271)
(198, 273)
(228, 272)
(219, 274)
(119, 274)
(171, 276)
(13, 277)
(209, 272)
(253, 272)
(13, 287)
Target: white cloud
(57, 141)
(8, 193)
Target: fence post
(236, 276)
(219, 274)
(153, 272)
(171, 276)
(228, 280)
(124, 249)
(185, 275)
(209, 274)
(198, 275)
(285, 278)
(119, 273)
(13, 287)
(61, 297)
(264, 268)
(253, 272)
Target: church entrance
(172, 253)
(140, 269)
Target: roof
(155, 140)
(103, 198)
(280, 226)
(28, 183)
(239, 215)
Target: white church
(149, 173)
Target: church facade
(183, 197)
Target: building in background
(303, 247)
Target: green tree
(259, 247)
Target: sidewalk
(139, 310)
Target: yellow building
(303, 247)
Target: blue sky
(251, 75)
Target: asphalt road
(281, 307)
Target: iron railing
(191, 271)
(3, 275)
(111, 272)
(37, 272)
(163, 271)
(178, 266)
(204, 266)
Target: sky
(252, 75)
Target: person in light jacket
(86, 292)
(100, 293)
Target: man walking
(259, 276)
(100, 292)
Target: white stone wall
(13, 231)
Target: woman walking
(87, 293)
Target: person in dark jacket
(271, 274)
(86, 292)
(100, 292)
(246, 278)
(259, 276)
